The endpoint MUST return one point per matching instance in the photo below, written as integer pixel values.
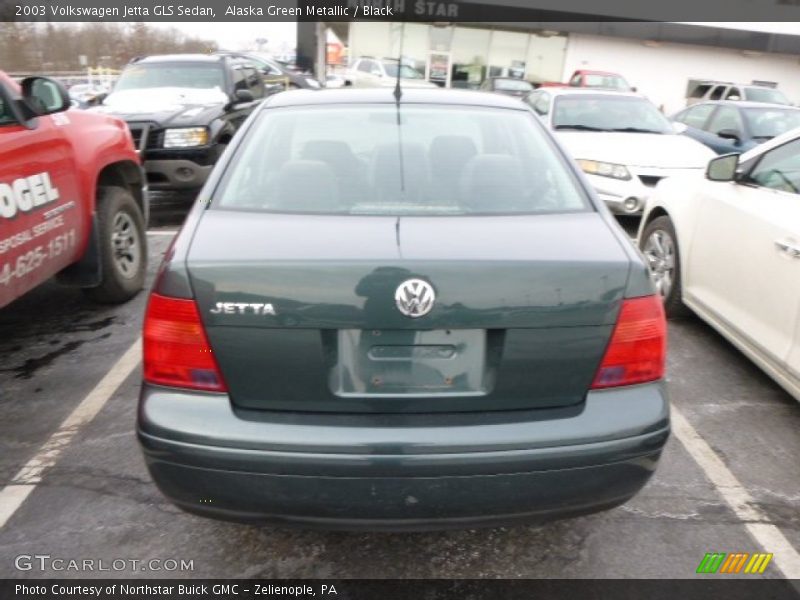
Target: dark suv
(182, 111)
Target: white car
(620, 140)
(727, 246)
(374, 72)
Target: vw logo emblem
(415, 298)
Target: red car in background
(604, 80)
(73, 198)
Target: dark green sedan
(391, 313)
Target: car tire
(659, 244)
(122, 246)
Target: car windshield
(176, 75)
(406, 72)
(766, 95)
(590, 112)
(412, 160)
(609, 82)
(512, 85)
(766, 123)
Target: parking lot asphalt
(94, 498)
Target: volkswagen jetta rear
(403, 313)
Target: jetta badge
(415, 298)
(243, 308)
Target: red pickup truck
(73, 199)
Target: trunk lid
(301, 314)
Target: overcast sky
(242, 36)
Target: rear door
(40, 218)
(744, 264)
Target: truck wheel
(123, 246)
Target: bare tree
(42, 47)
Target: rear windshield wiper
(580, 127)
(635, 130)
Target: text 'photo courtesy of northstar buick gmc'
(401, 309)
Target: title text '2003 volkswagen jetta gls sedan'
(400, 314)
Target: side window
(6, 116)
(254, 81)
(365, 66)
(542, 105)
(733, 94)
(726, 117)
(700, 91)
(531, 98)
(717, 92)
(239, 77)
(270, 70)
(696, 116)
(779, 169)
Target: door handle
(787, 247)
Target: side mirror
(633, 89)
(723, 168)
(44, 96)
(679, 127)
(244, 96)
(729, 134)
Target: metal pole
(321, 60)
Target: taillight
(638, 346)
(176, 349)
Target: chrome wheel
(126, 245)
(660, 253)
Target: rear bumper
(378, 472)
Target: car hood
(166, 106)
(666, 151)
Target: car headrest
(306, 186)
(449, 154)
(492, 182)
(386, 177)
(337, 154)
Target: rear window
(415, 160)
(766, 95)
(610, 82)
(178, 74)
(512, 85)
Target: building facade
(659, 59)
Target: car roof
(566, 91)
(209, 58)
(593, 72)
(747, 85)
(351, 95)
(742, 104)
